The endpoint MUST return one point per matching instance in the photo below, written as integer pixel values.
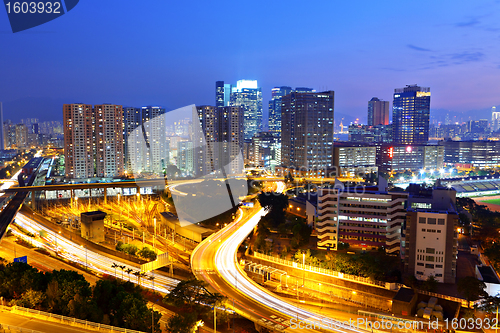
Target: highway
(214, 261)
(86, 257)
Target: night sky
(170, 53)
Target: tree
(129, 270)
(471, 288)
(114, 266)
(490, 304)
(17, 277)
(275, 204)
(193, 295)
(31, 299)
(147, 254)
(182, 323)
(122, 267)
(430, 284)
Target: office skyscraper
(378, 112)
(222, 94)
(307, 130)
(249, 96)
(410, 114)
(108, 133)
(495, 119)
(78, 140)
(275, 108)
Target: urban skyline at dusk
(250, 167)
(171, 55)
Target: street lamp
(86, 265)
(154, 235)
(303, 269)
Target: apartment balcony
(327, 217)
(327, 208)
(325, 228)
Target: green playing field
(492, 201)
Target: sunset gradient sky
(171, 53)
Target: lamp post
(86, 265)
(303, 269)
(154, 235)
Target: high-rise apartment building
(9, 134)
(495, 119)
(378, 112)
(275, 108)
(93, 140)
(21, 136)
(78, 140)
(248, 95)
(431, 236)
(108, 133)
(132, 118)
(147, 147)
(185, 157)
(223, 136)
(411, 114)
(307, 130)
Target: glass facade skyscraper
(249, 96)
(307, 131)
(410, 114)
(222, 94)
(275, 108)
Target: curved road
(214, 261)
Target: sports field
(492, 201)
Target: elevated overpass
(7, 215)
(215, 262)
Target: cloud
(464, 57)
(394, 69)
(469, 23)
(417, 48)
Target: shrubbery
(67, 293)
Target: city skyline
(453, 53)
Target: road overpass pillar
(105, 195)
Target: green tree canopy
(471, 288)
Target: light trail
(86, 257)
(228, 242)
